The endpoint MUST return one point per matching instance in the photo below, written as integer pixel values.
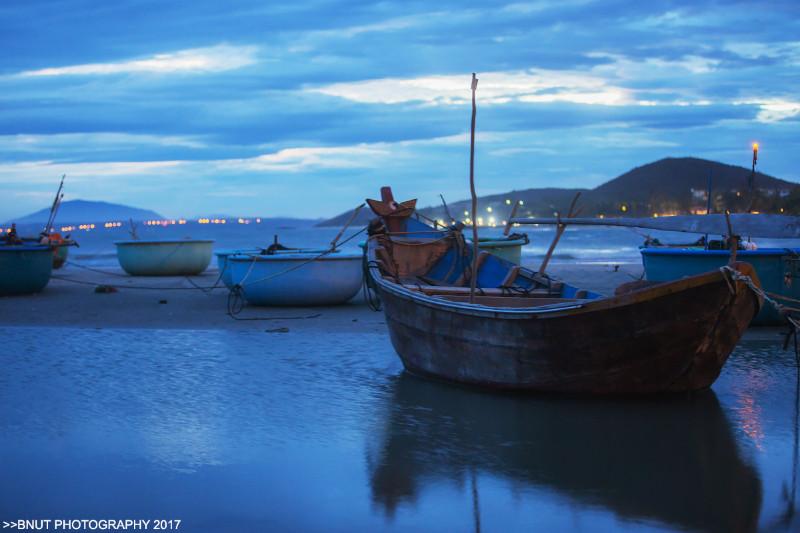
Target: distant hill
(88, 211)
(671, 185)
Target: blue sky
(304, 108)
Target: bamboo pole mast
(560, 227)
(751, 181)
(507, 229)
(474, 277)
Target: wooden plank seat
(509, 301)
(432, 290)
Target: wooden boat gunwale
(553, 310)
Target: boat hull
(164, 258)
(24, 269)
(297, 279)
(224, 267)
(671, 337)
(777, 269)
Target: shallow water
(250, 431)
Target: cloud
(535, 85)
(217, 58)
(298, 159)
(96, 141)
(774, 109)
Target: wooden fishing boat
(777, 268)
(24, 268)
(534, 332)
(186, 257)
(297, 277)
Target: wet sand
(70, 300)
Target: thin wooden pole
(349, 221)
(54, 209)
(474, 277)
(512, 215)
(447, 211)
(751, 181)
(559, 231)
(734, 239)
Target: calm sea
(577, 245)
(257, 431)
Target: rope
(195, 286)
(295, 267)
(784, 311)
(72, 263)
(136, 287)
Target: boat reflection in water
(672, 460)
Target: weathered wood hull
(674, 336)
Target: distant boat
(24, 268)
(59, 246)
(186, 257)
(777, 268)
(296, 277)
(533, 332)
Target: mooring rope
(783, 310)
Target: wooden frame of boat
(544, 335)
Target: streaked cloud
(535, 85)
(298, 159)
(217, 58)
(775, 109)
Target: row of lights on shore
(162, 223)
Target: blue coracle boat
(223, 265)
(777, 269)
(296, 277)
(24, 268)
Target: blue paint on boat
(454, 266)
(297, 277)
(180, 257)
(25, 268)
(777, 268)
(224, 267)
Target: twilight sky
(304, 108)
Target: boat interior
(438, 263)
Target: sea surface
(260, 431)
(578, 245)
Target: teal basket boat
(508, 248)
(777, 268)
(25, 268)
(182, 257)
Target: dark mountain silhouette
(88, 211)
(671, 185)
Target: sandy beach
(70, 301)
